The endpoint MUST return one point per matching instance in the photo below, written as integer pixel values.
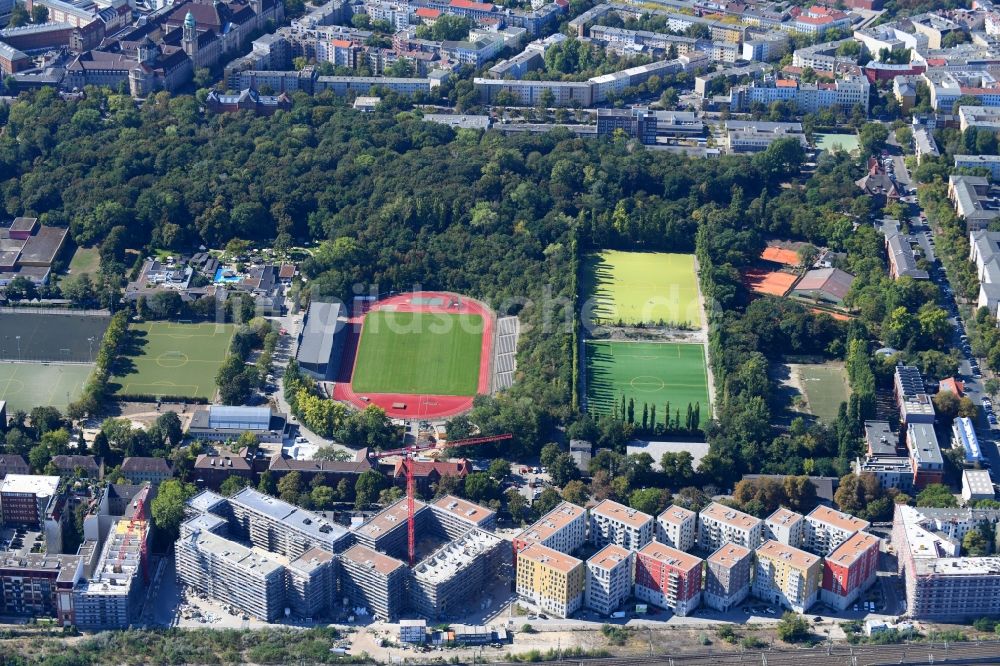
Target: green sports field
(641, 287)
(825, 387)
(652, 372)
(167, 358)
(405, 352)
(27, 385)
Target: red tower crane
(407, 454)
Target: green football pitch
(406, 352)
(641, 288)
(647, 372)
(175, 359)
(27, 385)
(826, 387)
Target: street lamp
(90, 341)
(18, 338)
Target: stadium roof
(316, 345)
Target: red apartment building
(668, 578)
(849, 570)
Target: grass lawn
(825, 387)
(85, 260)
(167, 358)
(650, 372)
(405, 352)
(848, 142)
(642, 287)
(27, 385)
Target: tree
(499, 469)
(545, 502)
(39, 14)
(390, 495)
(936, 495)
(289, 487)
(517, 505)
(575, 492)
(21, 289)
(678, 467)
(872, 138)
(333, 453)
(649, 500)
(249, 441)
(480, 487)
(266, 484)
(366, 489)
(18, 16)
(169, 424)
(233, 484)
(793, 628)
(322, 497)
(563, 469)
(946, 405)
(974, 544)
(167, 507)
(549, 453)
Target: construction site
(265, 556)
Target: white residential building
(719, 524)
(785, 526)
(827, 528)
(609, 579)
(611, 522)
(677, 527)
(564, 529)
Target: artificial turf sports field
(419, 353)
(650, 372)
(642, 287)
(175, 359)
(27, 385)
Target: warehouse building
(321, 342)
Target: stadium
(421, 355)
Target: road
(923, 233)
(285, 351)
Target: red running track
(418, 406)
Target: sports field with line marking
(642, 287)
(419, 352)
(651, 372)
(27, 385)
(168, 358)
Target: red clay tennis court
(770, 283)
(780, 255)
